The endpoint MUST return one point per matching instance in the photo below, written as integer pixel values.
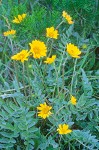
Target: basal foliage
(49, 89)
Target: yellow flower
(38, 49)
(9, 32)
(67, 17)
(21, 56)
(50, 60)
(64, 129)
(51, 33)
(19, 18)
(73, 100)
(44, 110)
(73, 50)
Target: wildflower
(50, 60)
(73, 50)
(73, 100)
(67, 17)
(51, 33)
(38, 49)
(44, 110)
(9, 32)
(21, 56)
(19, 18)
(64, 129)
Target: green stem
(84, 60)
(24, 80)
(30, 91)
(60, 24)
(56, 81)
(60, 110)
(52, 39)
(60, 142)
(74, 73)
(16, 72)
(51, 48)
(63, 73)
(47, 41)
(61, 61)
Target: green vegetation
(24, 86)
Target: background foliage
(20, 128)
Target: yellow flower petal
(73, 50)
(51, 33)
(21, 56)
(38, 49)
(67, 17)
(19, 18)
(73, 100)
(64, 129)
(9, 32)
(50, 60)
(44, 110)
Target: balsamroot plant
(48, 99)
